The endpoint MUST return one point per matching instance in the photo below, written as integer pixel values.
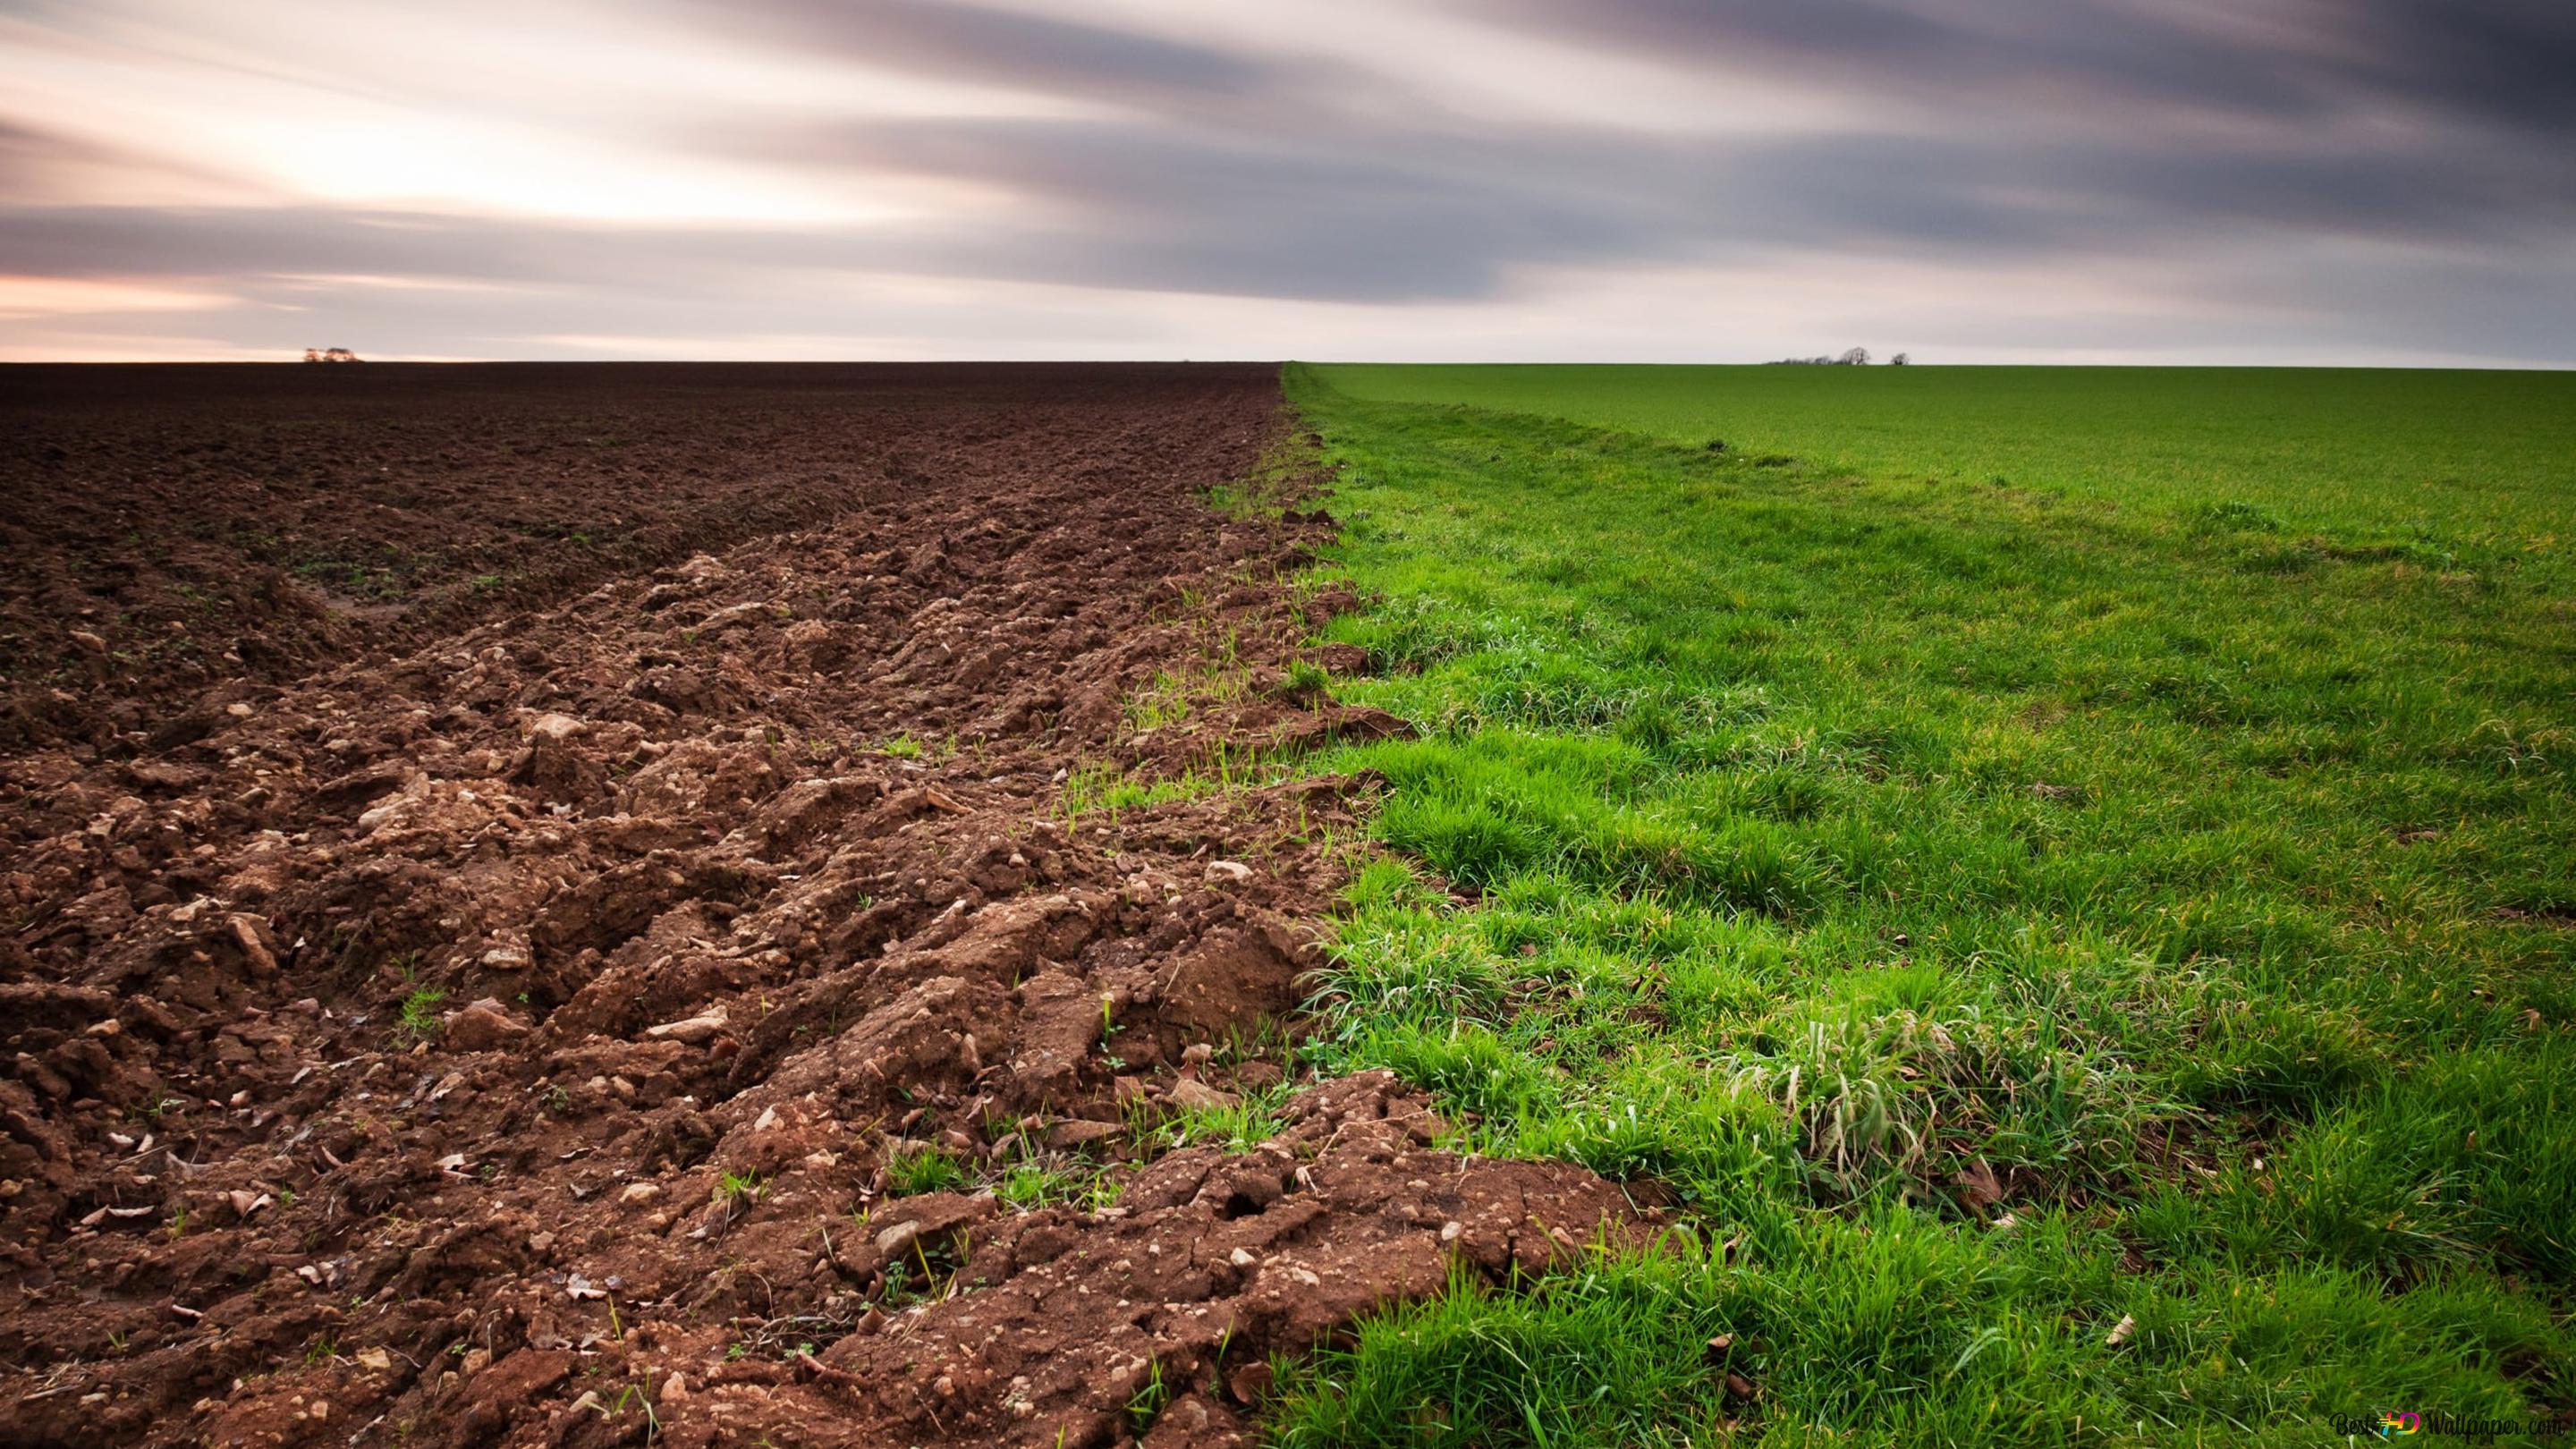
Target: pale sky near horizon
(2119, 181)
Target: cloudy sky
(2339, 181)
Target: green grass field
(2069, 879)
(2377, 455)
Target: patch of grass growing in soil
(1036, 1182)
(418, 1018)
(1102, 792)
(1252, 1118)
(1997, 915)
(917, 1170)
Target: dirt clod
(633, 983)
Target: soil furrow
(700, 1009)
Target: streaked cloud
(2305, 180)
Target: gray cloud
(2513, 60)
(1445, 219)
(2090, 139)
(1361, 201)
(38, 164)
(2507, 60)
(1442, 216)
(973, 42)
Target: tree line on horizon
(1852, 357)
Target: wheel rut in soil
(528, 1038)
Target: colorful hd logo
(2400, 1423)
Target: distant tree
(1900, 359)
(1855, 357)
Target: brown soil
(712, 960)
(203, 524)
